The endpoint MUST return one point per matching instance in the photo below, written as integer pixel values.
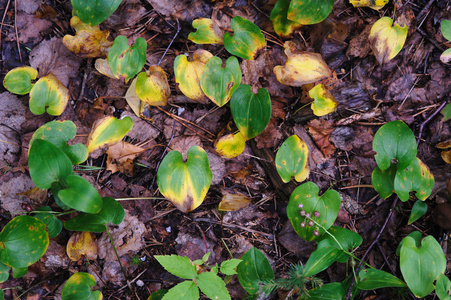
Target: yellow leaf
(107, 131)
(120, 157)
(324, 102)
(80, 244)
(231, 145)
(301, 68)
(89, 41)
(387, 40)
(374, 4)
(231, 202)
(152, 86)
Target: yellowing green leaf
(80, 244)
(374, 4)
(387, 40)
(188, 73)
(292, 158)
(89, 41)
(152, 86)
(309, 11)
(108, 130)
(208, 32)
(301, 68)
(78, 286)
(20, 80)
(126, 61)
(282, 26)
(48, 93)
(231, 145)
(324, 102)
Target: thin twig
(15, 28)
(3, 21)
(169, 46)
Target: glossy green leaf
(421, 264)
(328, 291)
(231, 145)
(59, 133)
(320, 259)
(23, 241)
(347, 239)
(94, 12)
(80, 195)
(384, 181)
(20, 80)
(228, 267)
(47, 164)
(247, 40)
(443, 287)
(251, 112)
(158, 295)
(185, 184)
(78, 286)
(126, 61)
(282, 26)
(322, 209)
(54, 225)
(445, 28)
(212, 286)
(414, 178)
(111, 212)
(19, 272)
(394, 141)
(152, 86)
(292, 159)
(180, 266)
(48, 94)
(324, 102)
(254, 270)
(219, 83)
(386, 40)
(418, 210)
(107, 131)
(4, 272)
(208, 32)
(186, 290)
(308, 12)
(371, 279)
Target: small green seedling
(387, 40)
(247, 40)
(308, 12)
(20, 80)
(324, 102)
(107, 131)
(292, 160)
(251, 112)
(282, 26)
(152, 86)
(94, 12)
(78, 286)
(185, 184)
(208, 32)
(445, 28)
(254, 270)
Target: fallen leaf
(231, 145)
(324, 102)
(121, 156)
(386, 40)
(82, 243)
(320, 131)
(107, 131)
(207, 32)
(233, 201)
(152, 86)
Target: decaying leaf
(82, 243)
(386, 40)
(231, 145)
(301, 68)
(108, 130)
(208, 32)
(120, 157)
(152, 86)
(89, 41)
(233, 201)
(320, 131)
(48, 94)
(324, 102)
(374, 4)
(282, 26)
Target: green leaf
(2, 294)
(445, 27)
(308, 12)
(58, 133)
(212, 286)
(80, 195)
(206, 256)
(152, 86)
(23, 241)
(292, 159)
(446, 111)
(253, 270)
(347, 239)
(158, 295)
(4, 272)
(185, 184)
(228, 267)
(180, 266)
(186, 290)
(418, 210)
(329, 291)
(20, 80)
(247, 40)
(282, 26)
(320, 259)
(416, 235)
(94, 12)
(47, 164)
(384, 181)
(19, 272)
(394, 141)
(371, 279)
(111, 212)
(443, 287)
(219, 83)
(126, 61)
(54, 225)
(421, 264)
(48, 94)
(107, 131)
(323, 209)
(208, 32)
(78, 286)
(251, 112)
(415, 177)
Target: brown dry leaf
(320, 131)
(359, 46)
(120, 157)
(82, 244)
(29, 29)
(446, 156)
(233, 201)
(36, 194)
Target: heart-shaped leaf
(253, 270)
(324, 102)
(107, 131)
(384, 181)
(421, 264)
(208, 32)
(82, 244)
(415, 177)
(231, 145)
(126, 61)
(180, 266)
(58, 133)
(251, 112)
(374, 4)
(94, 12)
(47, 164)
(48, 94)
(219, 83)
(309, 12)
(111, 212)
(306, 205)
(247, 40)
(78, 286)
(386, 40)
(443, 287)
(185, 184)
(80, 195)
(188, 73)
(23, 241)
(152, 86)
(20, 80)
(371, 279)
(54, 225)
(212, 286)
(418, 210)
(292, 158)
(394, 141)
(282, 26)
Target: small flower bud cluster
(307, 215)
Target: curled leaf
(247, 39)
(20, 80)
(152, 86)
(386, 40)
(374, 4)
(324, 102)
(208, 32)
(231, 145)
(81, 244)
(108, 130)
(291, 159)
(48, 94)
